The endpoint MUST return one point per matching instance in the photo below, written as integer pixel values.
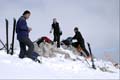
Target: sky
(97, 20)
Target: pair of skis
(92, 59)
(11, 49)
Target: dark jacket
(79, 37)
(56, 28)
(22, 28)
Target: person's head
(76, 29)
(26, 14)
(54, 20)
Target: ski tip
(6, 20)
(14, 19)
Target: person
(57, 32)
(80, 41)
(23, 31)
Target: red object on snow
(46, 39)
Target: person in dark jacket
(57, 32)
(22, 31)
(80, 41)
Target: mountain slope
(11, 67)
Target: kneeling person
(80, 41)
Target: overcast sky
(98, 20)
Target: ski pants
(57, 38)
(23, 51)
(84, 49)
(82, 46)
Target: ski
(7, 40)
(92, 60)
(104, 69)
(13, 36)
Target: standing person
(80, 41)
(22, 31)
(57, 32)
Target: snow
(11, 67)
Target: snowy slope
(11, 67)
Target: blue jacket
(22, 28)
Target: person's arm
(23, 25)
(74, 37)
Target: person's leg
(58, 41)
(22, 50)
(84, 49)
(30, 45)
(55, 38)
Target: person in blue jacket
(23, 31)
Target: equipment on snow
(93, 65)
(13, 36)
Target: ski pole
(3, 45)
